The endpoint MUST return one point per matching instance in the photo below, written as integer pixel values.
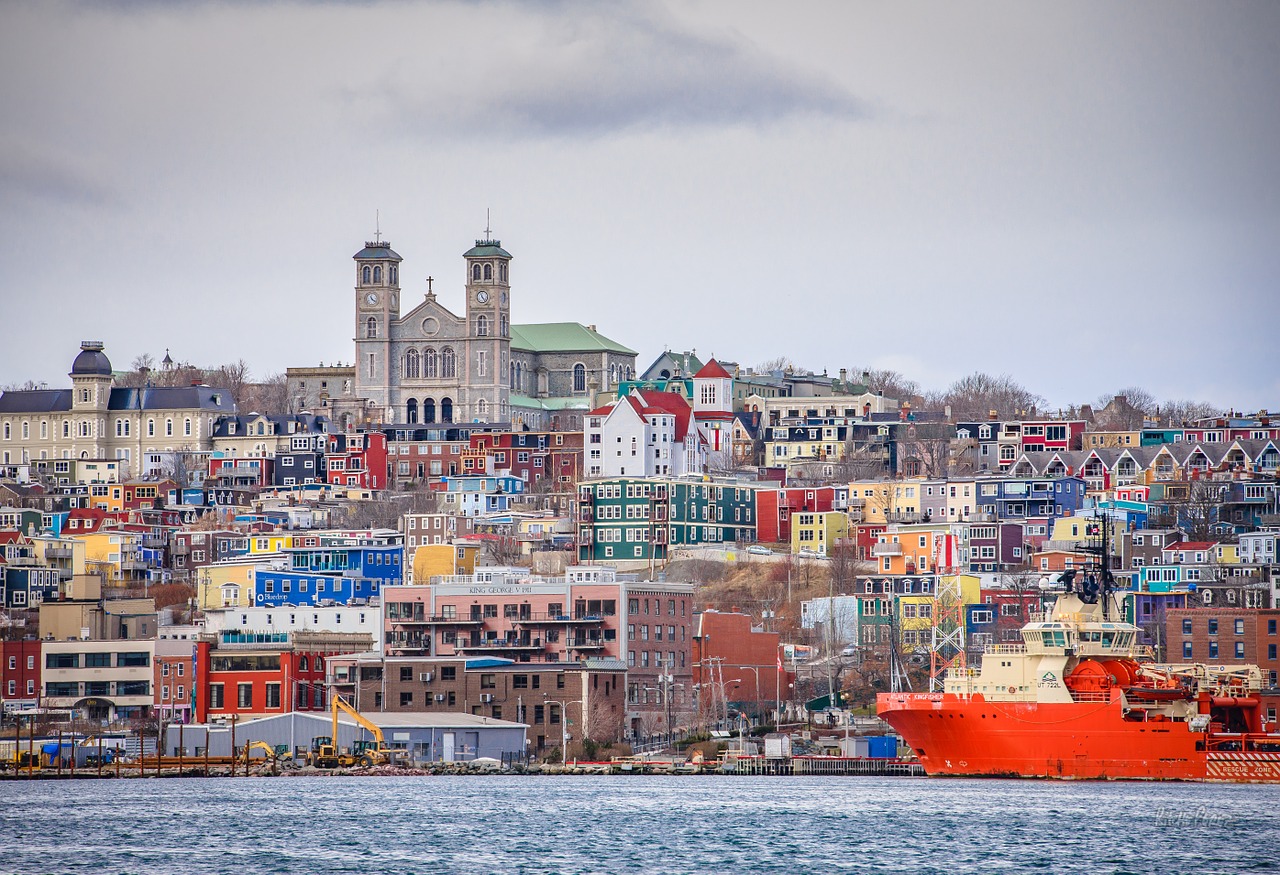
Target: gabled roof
(671, 404)
(713, 370)
(563, 337)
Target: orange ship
(1075, 700)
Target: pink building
(590, 613)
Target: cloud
(43, 175)
(580, 70)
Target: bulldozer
(324, 753)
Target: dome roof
(92, 361)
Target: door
(448, 747)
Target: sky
(1085, 196)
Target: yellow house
(226, 584)
(1113, 439)
(818, 531)
(269, 542)
(1077, 529)
(915, 620)
(106, 496)
(1227, 554)
(65, 554)
(432, 560)
(872, 500)
(111, 552)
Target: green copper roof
(563, 337)
(527, 403)
(484, 248)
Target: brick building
(1226, 636)
(586, 698)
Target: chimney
(946, 411)
(844, 375)
(993, 415)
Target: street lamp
(564, 724)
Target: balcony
(496, 644)
(584, 644)
(559, 618)
(886, 549)
(155, 543)
(454, 621)
(57, 552)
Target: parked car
(759, 550)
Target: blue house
(26, 586)
(480, 495)
(341, 574)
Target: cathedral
(426, 364)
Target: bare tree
(974, 396)
(269, 396)
(1126, 410)
(1176, 413)
(892, 383)
(27, 386)
(234, 377)
(183, 466)
(777, 363)
(926, 450)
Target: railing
(57, 552)
(501, 644)
(1005, 649)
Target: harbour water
(666, 825)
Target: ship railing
(1004, 649)
(1091, 695)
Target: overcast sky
(1082, 195)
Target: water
(666, 825)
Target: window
(216, 701)
(406, 698)
(1186, 626)
(371, 328)
(244, 695)
(579, 378)
(448, 363)
(412, 364)
(273, 695)
(1239, 650)
(1186, 650)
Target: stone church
(429, 365)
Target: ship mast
(1099, 582)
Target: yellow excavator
(325, 754)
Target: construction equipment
(325, 754)
(275, 754)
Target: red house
(19, 673)
(358, 459)
(774, 508)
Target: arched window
(482, 409)
(392, 274)
(506, 325)
(502, 271)
(488, 271)
(482, 326)
(411, 411)
(446, 410)
(411, 365)
(448, 366)
(364, 275)
(428, 410)
(84, 428)
(186, 427)
(512, 381)
(475, 272)
(1207, 596)
(371, 328)
(579, 377)
(168, 428)
(429, 363)
(302, 662)
(377, 275)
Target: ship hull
(970, 736)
